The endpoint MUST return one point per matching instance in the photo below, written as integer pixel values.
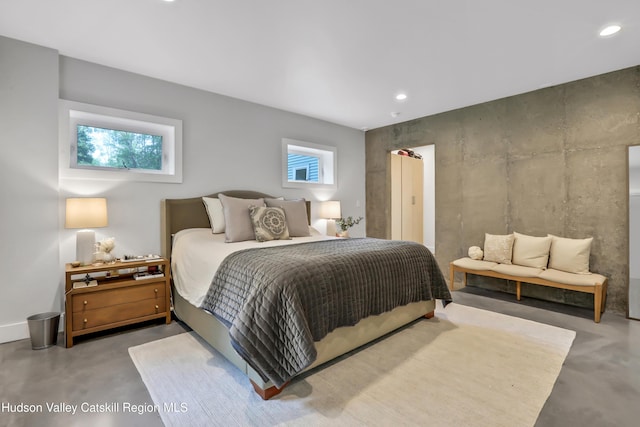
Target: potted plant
(344, 224)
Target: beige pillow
(216, 214)
(497, 248)
(238, 225)
(570, 255)
(296, 213)
(531, 251)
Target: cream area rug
(465, 367)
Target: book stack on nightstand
(107, 296)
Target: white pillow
(497, 248)
(531, 251)
(570, 255)
(216, 214)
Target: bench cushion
(474, 264)
(517, 270)
(571, 278)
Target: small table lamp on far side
(85, 213)
(330, 210)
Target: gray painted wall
(29, 253)
(227, 144)
(550, 161)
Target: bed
(187, 239)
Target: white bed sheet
(197, 253)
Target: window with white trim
(111, 144)
(305, 164)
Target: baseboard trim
(20, 331)
(14, 332)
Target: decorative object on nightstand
(344, 224)
(104, 250)
(331, 211)
(85, 213)
(103, 297)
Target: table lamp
(85, 213)
(331, 211)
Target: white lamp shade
(330, 209)
(86, 212)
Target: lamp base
(331, 227)
(85, 246)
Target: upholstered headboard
(179, 214)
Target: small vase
(343, 233)
(108, 258)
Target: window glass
(110, 148)
(307, 164)
(111, 144)
(303, 168)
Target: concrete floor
(599, 384)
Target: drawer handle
(155, 290)
(157, 307)
(85, 320)
(85, 303)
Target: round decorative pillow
(475, 252)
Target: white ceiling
(341, 60)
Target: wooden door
(407, 181)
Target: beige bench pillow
(498, 248)
(530, 251)
(570, 255)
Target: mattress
(197, 253)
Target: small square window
(305, 164)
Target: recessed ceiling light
(401, 96)
(395, 114)
(610, 30)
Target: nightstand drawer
(107, 298)
(117, 313)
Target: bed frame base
(268, 393)
(336, 343)
(272, 391)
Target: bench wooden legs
(597, 302)
(452, 275)
(518, 287)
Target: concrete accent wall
(550, 161)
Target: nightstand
(119, 298)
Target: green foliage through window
(110, 148)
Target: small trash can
(43, 329)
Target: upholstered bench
(547, 261)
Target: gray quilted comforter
(277, 301)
